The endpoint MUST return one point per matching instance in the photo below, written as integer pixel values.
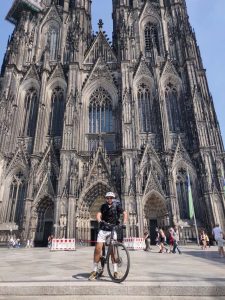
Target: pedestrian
(218, 236)
(49, 241)
(176, 240)
(162, 240)
(203, 239)
(147, 241)
(28, 244)
(157, 239)
(207, 240)
(171, 239)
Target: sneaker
(116, 275)
(93, 276)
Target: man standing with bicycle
(109, 214)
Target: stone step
(105, 288)
(74, 297)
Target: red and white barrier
(134, 243)
(63, 245)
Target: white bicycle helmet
(110, 194)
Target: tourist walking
(162, 241)
(176, 240)
(203, 240)
(171, 239)
(218, 236)
(147, 241)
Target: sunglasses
(109, 197)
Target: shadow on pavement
(206, 254)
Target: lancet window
(17, 193)
(173, 108)
(57, 112)
(146, 109)
(31, 111)
(151, 38)
(182, 193)
(53, 37)
(100, 112)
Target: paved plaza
(31, 273)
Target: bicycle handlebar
(113, 226)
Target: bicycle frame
(113, 255)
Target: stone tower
(81, 116)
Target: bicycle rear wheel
(118, 255)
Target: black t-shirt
(111, 214)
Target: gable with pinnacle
(19, 160)
(143, 72)
(31, 74)
(48, 158)
(148, 156)
(99, 170)
(149, 13)
(170, 74)
(51, 15)
(102, 47)
(153, 184)
(100, 71)
(57, 73)
(44, 188)
(181, 155)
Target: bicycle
(116, 253)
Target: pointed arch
(151, 31)
(57, 108)
(182, 192)
(146, 109)
(100, 106)
(100, 112)
(50, 34)
(151, 34)
(30, 113)
(154, 208)
(181, 169)
(43, 216)
(173, 108)
(53, 41)
(14, 209)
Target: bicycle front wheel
(118, 262)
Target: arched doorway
(155, 214)
(45, 215)
(94, 209)
(87, 226)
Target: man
(147, 241)
(109, 213)
(176, 240)
(218, 236)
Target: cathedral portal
(155, 214)
(45, 221)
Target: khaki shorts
(220, 242)
(105, 235)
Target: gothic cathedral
(81, 116)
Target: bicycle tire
(120, 254)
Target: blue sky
(207, 19)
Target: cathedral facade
(81, 116)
